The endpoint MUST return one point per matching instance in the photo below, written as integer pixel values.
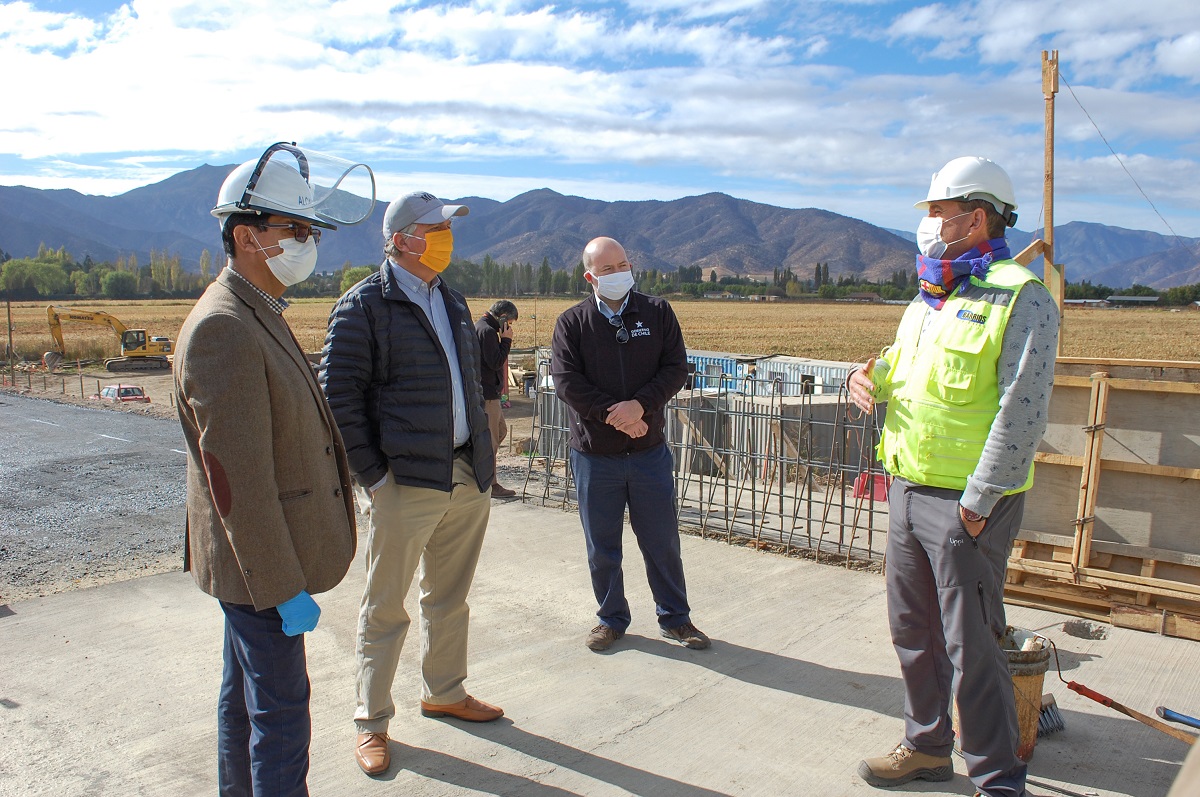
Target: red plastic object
(876, 485)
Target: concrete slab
(112, 690)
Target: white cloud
(480, 85)
(21, 25)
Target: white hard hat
(267, 186)
(287, 180)
(968, 178)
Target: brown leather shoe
(499, 491)
(468, 709)
(372, 753)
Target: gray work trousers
(945, 606)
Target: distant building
(723, 295)
(1132, 301)
(1086, 302)
(864, 296)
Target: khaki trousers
(443, 532)
(496, 424)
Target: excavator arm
(56, 315)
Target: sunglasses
(622, 332)
(300, 231)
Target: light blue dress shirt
(429, 299)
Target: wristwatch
(967, 514)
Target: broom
(1104, 700)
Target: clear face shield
(340, 191)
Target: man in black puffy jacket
(618, 357)
(401, 372)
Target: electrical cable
(1122, 163)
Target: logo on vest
(974, 318)
(639, 330)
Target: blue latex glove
(300, 614)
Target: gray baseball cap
(419, 207)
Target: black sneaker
(687, 635)
(602, 636)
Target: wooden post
(1054, 275)
(1089, 480)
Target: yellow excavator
(138, 352)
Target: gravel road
(87, 495)
(92, 493)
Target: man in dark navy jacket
(401, 372)
(618, 357)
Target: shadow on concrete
(882, 694)
(465, 774)
(630, 779)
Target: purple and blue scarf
(938, 278)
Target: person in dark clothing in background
(495, 334)
(617, 358)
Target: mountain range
(714, 231)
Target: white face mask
(929, 236)
(614, 286)
(295, 263)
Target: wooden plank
(1050, 604)
(1053, 569)
(1092, 595)
(1148, 568)
(1156, 586)
(1170, 471)
(702, 446)
(1089, 480)
(1031, 253)
(1069, 380)
(1144, 552)
(1137, 618)
(1156, 386)
(1159, 621)
(1143, 385)
(1105, 362)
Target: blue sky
(846, 105)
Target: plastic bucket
(1028, 660)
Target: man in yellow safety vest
(967, 384)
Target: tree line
(55, 274)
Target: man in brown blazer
(269, 505)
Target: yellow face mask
(438, 246)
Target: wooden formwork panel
(1110, 526)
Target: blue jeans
(643, 481)
(263, 725)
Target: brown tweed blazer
(269, 504)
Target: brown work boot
(499, 491)
(902, 765)
(372, 753)
(602, 636)
(687, 635)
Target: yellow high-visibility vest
(942, 388)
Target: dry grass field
(825, 331)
